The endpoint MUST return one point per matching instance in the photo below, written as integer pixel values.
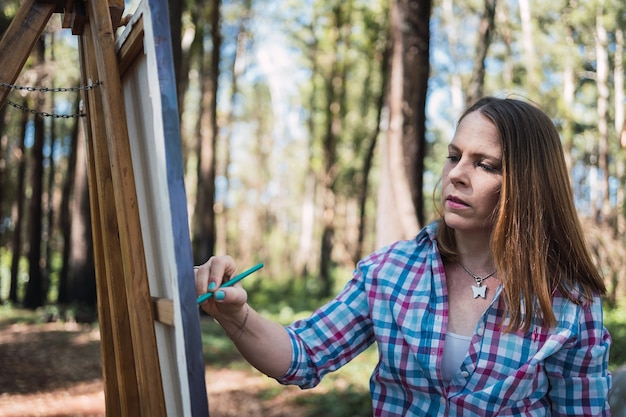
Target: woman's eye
(488, 168)
(453, 158)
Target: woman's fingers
(212, 273)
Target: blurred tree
(334, 86)
(19, 201)
(291, 158)
(193, 33)
(35, 296)
(203, 228)
(602, 211)
(77, 276)
(175, 8)
(378, 44)
(416, 72)
(400, 196)
(65, 213)
(528, 42)
(485, 30)
(235, 64)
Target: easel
(136, 327)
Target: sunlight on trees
(287, 115)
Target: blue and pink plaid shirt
(397, 298)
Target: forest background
(314, 132)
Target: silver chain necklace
(478, 289)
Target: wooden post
(127, 310)
(19, 40)
(135, 275)
(118, 360)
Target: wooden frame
(149, 324)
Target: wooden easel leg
(124, 194)
(19, 39)
(132, 372)
(118, 359)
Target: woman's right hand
(228, 301)
(265, 344)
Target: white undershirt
(454, 352)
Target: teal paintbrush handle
(202, 298)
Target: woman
(494, 309)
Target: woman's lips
(455, 202)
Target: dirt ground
(54, 370)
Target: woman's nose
(458, 173)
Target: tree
(74, 188)
(602, 78)
(19, 201)
(400, 199)
(380, 47)
(335, 110)
(35, 295)
(203, 229)
(416, 65)
(175, 8)
(486, 27)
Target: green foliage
(10, 316)
(350, 401)
(615, 322)
(217, 348)
(273, 297)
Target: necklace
(478, 289)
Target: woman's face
(472, 175)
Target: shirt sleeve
(578, 372)
(332, 336)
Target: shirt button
(480, 331)
(443, 400)
(464, 374)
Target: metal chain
(51, 90)
(43, 113)
(48, 90)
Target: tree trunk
(618, 79)
(569, 90)
(305, 256)
(82, 271)
(175, 8)
(370, 153)
(4, 160)
(204, 217)
(397, 216)
(416, 62)
(305, 260)
(35, 296)
(602, 78)
(620, 130)
(49, 213)
(335, 111)
(532, 82)
(4, 163)
(452, 26)
(192, 51)
(65, 213)
(18, 217)
(477, 82)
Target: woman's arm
(264, 344)
(578, 373)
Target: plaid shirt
(397, 298)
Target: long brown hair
(537, 240)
